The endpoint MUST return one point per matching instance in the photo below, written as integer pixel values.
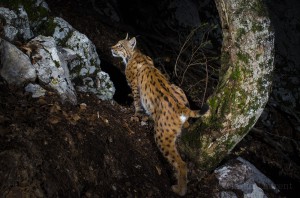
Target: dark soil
(49, 149)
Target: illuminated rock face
(15, 66)
(16, 24)
(67, 58)
(82, 60)
(241, 175)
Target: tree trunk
(244, 84)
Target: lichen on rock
(102, 80)
(241, 175)
(16, 24)
(83, 60)
(35, 89)
(50, 69)
(67, 55)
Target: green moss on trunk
(238, 101)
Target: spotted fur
(164, 102)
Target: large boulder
(15, 66)
(67, 57)
(16, 24)
(242, 176)
(52, 70)
(83, 60)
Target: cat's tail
(197, 113)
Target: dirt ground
(93, 149)
(50, 149)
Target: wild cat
(164, 102)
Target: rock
(22, 24)
(15, 67)
(82, 60)
(103, 88)
(62, 31)
(69, 50)
(227, 194)
(256, 192)
(87, 57)
(241, 175)
(9, 16)
(52, 71)
(43, 4)
(16, 24)
(36, 90)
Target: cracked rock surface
(66, 57)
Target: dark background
(44, 152)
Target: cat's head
(124, 48)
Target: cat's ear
(132, 42)
(126, 36)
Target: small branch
(206, 83)
(183, 47)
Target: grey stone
(82, 60)
(9, 16)
(22, 24)
(62, 30)
(226, 194)
(16, 24)
(241, 175)
(42, 3)
(36, 90)
(52, 70)
(103, 88)
(16, 67)
(69, 56)
(87, 55)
